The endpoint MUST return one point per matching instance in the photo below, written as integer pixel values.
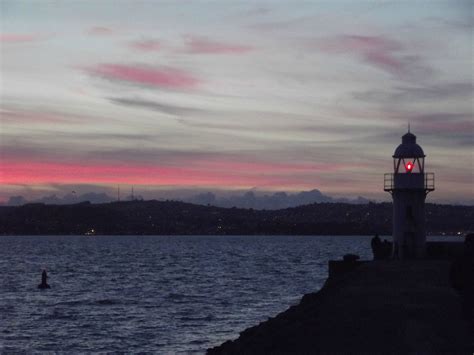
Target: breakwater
(380, 306)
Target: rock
(350, 258)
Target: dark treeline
(178, 218)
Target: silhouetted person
(381, 250)
(375, 244)
(44, 283)
(462, 277)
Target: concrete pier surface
(381, 306)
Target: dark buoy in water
(43, 284)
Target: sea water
(162, 294)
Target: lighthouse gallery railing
(428, 183)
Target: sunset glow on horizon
(208, 95)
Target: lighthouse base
(409, 239)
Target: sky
(171, 96)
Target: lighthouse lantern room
(409, 184)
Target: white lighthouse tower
(409, 185)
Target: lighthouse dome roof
(409, 148)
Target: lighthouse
(409, 185)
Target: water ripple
(153, 294)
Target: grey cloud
(15, 150)
(270, 201)
(16, 201)
(379, 51)
(447, 128)
(102, 137)
(158, 155)
(13, 114)
(74, 145)
(156, 106)
(429, 137)
(181, 112)
(69, 198)
(216, 126)
(428, 93)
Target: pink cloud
(217, 173)
(164, 77)
(146, 45)
(17, 37)
(378, 51)
(384, 61)
(202, 45)
(30, 172)
(364, 44)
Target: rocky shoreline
(384, 306)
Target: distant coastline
(244, 199)
(179, 218)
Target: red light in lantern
(409, 167)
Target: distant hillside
(269, 201)
(179, 218)
(248, 199)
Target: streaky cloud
(379, 51)
(433, 92)
(202, 173)
(15, 115)
(146, 45)
(101, 31)
(156, 106)
(18, 37)
(203, 45)
(159, 77)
